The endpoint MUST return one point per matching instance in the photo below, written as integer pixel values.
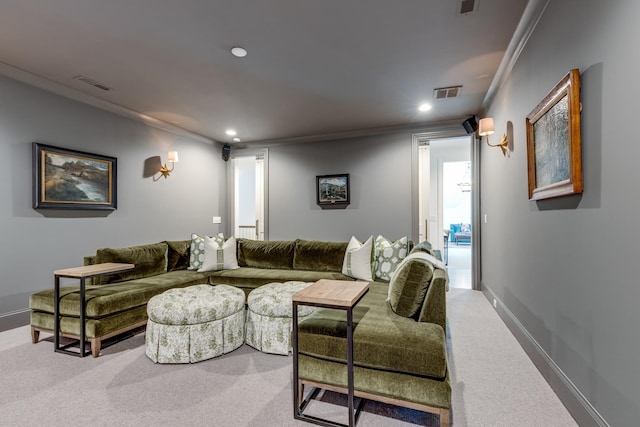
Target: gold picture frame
(554, 153)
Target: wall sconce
(172, 158)
(486, 128)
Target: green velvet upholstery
(94, 327)
(319, 256)
(434, 307)
(410, 388)
(381, 339)
(148, 259)
(104, 300)
(248, 278)
(275, 254)
(178, 254)
(408, 286)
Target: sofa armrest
(434, 307)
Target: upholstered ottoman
(195, 323)
(269, 316)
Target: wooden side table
(81, 273)
(338, 294)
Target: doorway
(446, 203)
(248, 184)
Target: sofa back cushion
(318, 255)
(260, 254)
(178, 254)
(149, 260)
(409, 285)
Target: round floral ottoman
(269, 316)
(195, 323)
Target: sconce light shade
(172, 158)
(486, 126)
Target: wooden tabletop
(94, 270)
(340, 293)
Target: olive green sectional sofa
(399, 326)
(118, 303)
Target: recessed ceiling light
(230, 132)
(424, 107)
(239, 52)
(236, 139)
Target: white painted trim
(68, 92)
(259, 152)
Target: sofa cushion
(149, 260)
(388, 255)
(196, 250)
(106, 300)
(261, 254)
(250, 278)
(409, 285)
(219, 255)
(381, 339)
(178, 254)
(318, 255)
(358, 259)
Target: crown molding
(445, 127)
(68, 92)
(530, 18)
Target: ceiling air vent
(446, 92)
(465, 7)
(91, 82)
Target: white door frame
(262, 153)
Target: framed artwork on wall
(554, 154)
(69, 179)
(332, 191)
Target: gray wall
(36, 242)
(380, 179)
(566, 268)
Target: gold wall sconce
(486, 128)
(172, 158)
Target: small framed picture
(553, 142)
(69, 179)
(332, 190)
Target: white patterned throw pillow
(388, 256)
(358, 259)
(196, 251)
(218, 255)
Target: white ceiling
(315, 67)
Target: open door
(248, 184)
(445, 202)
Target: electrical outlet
(495, 303)
(217, 220)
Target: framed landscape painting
(554, 154)
(69, 179)
(332, 190)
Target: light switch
(217, 220)
(485, 218)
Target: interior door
(248, 187)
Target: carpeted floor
(494, 384)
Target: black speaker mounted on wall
(470, 125)
(226, 150)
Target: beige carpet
(494, 384)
